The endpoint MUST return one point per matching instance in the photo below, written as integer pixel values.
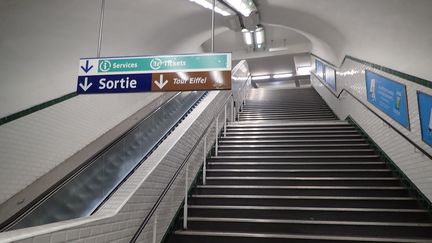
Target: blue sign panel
(388, 96)
(123, 83)
(425, 110)
(330, 77)
(319, 68)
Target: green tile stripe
(36, 108)
(405, 76)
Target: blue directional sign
(388, 96)
(154, 73)
(114, 83)
(425, 111)
(87, 67)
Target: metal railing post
(205, 161)
(185, 207)
(232, 108)
(155, 229)
(216, 135)
(225, 120)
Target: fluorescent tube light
(283, 75)
(261, 77)
(305, 70)
(247, 37)
(259, 36)
(272, 49)
(219, 8)
(245, 7)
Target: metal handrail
(171, 182)
(376, 114)
(243, 91)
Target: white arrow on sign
(86, 85)
(161, 83)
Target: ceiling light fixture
(282, 75)
(259, 35)
(282, 48)
(245, 7)
(273, 49)
(263, 77)
(247, 37)
(305, 70)
(219, 8)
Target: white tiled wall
(120, 216)
(39, 149)
(351, 77)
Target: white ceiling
(276, 36)
(41, 41)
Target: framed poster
(319, 69)
(389, 96)
(425, 112)
(330, 77)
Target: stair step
(339, 228)
(298, 152)
(292, 137)
(299, 118)
(234, 133)
(298, 158)
(295, 165)
(290, 146)
(289, 124)
(305, 201)
(364, 191)
(305, 181)
(241, 237)
(304, 112)
(300, 172)
(312, 213)
(224, 140)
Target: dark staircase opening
(289, 171)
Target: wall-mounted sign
(319, 69)
(326, 73)
(330, 77)
(210, 71)
(388, 96)
(425, 112)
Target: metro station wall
(42, 41)
(40, 46)
(35, 144)
(351, 77)
(120, 216)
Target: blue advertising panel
(388, 96)
(330, 77)
(319, 68)
(425, 111)
(123, 83)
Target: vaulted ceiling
(46, 36)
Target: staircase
(288, 171)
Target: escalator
(289, 171)
(84, 190)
